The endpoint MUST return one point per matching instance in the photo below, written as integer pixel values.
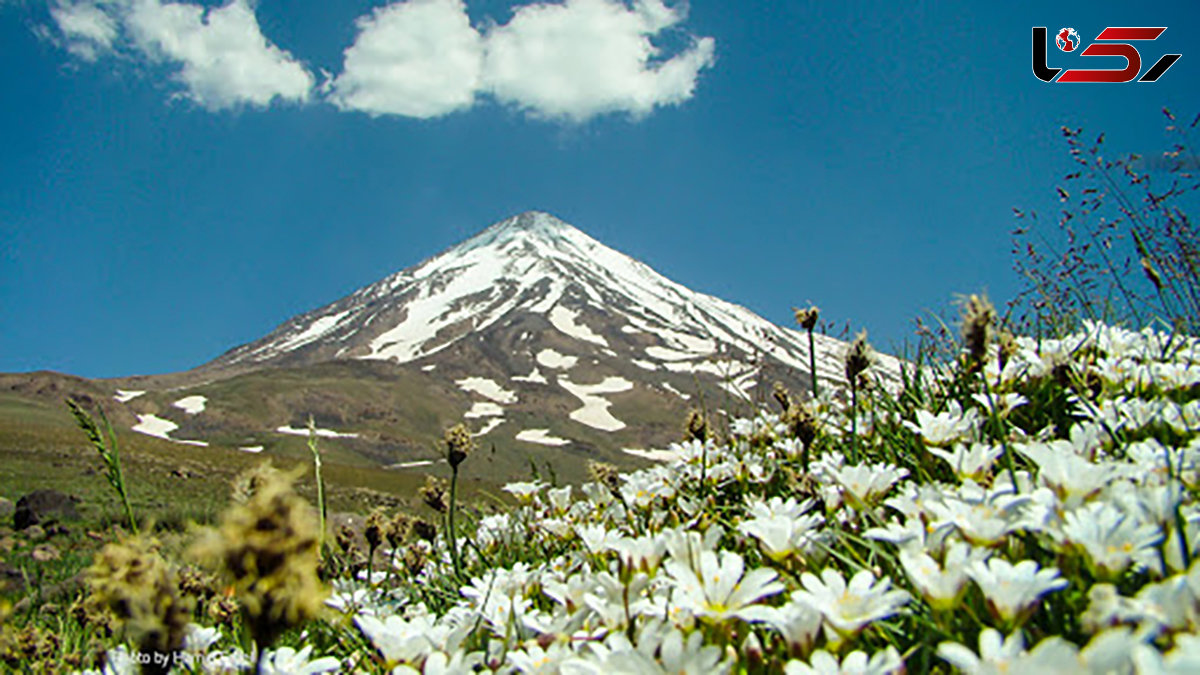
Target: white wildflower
(716, 587)
(1112, 540)
(864, 484)
(973, 461)
(945, 428)
(856, 663)
(1012, 591)
(848, 608)
(288, 661)
(998, 655)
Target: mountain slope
(552, 347)
(532, 263)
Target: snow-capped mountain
(553, 348)
(536, 265)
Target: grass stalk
(322, 513)
(109, 453)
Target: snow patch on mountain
(487, 388)
(535, 377)
(322, 433)
(153, 425)
(127, 395)
(667, 354)
(594, 412)
(411, 465)
(654, 455)
(552, 359)
(313, 331)
(567, 323)
(541, 436)
(484, 409)
(192, 405)
(673, 390)
(492, 424)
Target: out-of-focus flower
(823, 663)
(1013, 591)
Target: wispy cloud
(417, 58)
(222, 56)
(87, 30)
(219, 55)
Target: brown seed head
(345, 539)
(459, 444)
(606, 474)
(978, 317)
(398, 529)
(1008, 347)
(223, 611)
(433, 493)
(859, 357)
(807, 318)
(696, 427)
(1151, 273)
(196, 583)
(414, 560)
(267, 548)
(375, 529)
(803, 424)
(136, 585)
(782, 397)
(424, 530)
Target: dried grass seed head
(135, 584)
(376, 528)
(802, 422)
(807, 318)
(268, 549)
(425, 530)
(696, 427)
(433, 493)
(782, 396)
(459, 444)
(979, 316)
(606, 474)
(859, 357)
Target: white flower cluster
(1039, 515)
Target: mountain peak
(534, 232)
(536, 271)
(536, 223)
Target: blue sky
(173, 184)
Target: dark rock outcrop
(44, 506)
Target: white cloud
(222, 58)
(575, 60)
(87, 30)
(419, 58)
(572, 60)
(589, 57)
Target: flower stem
(452, 535)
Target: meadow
(1023, 499)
